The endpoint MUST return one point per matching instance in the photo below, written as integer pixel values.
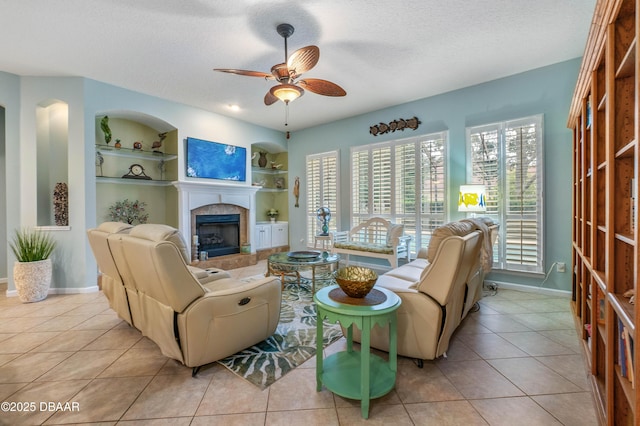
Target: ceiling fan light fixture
(286, 92)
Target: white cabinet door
(263, 237)
(279, 234)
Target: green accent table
(357, 375)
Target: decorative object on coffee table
(356, 281)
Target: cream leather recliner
(433, 298)
(111, 278)
(191, 322)
(111, 281)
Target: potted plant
(128, 212)
(32, 270)
(273, 214)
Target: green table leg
(319, 354)
(393, 343)
(365, 358)
(350, 338)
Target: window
(507, 158)
(402, 181)
(322, 191)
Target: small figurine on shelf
(118, 144)
(137, 145)
(157, 144)
(273, 214)
(99, 162)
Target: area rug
(293, 342)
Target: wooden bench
(376, 237)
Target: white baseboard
(75, 290)
(528, 288)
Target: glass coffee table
(292, 263)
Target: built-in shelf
(123, 181)
(111, 151)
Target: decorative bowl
(356, 281)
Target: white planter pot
(32, 279)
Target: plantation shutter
(507, 159)
(432, 188)
(360, 187)
(523, 203)
(402, 181)
(381, 179)
(322, 190)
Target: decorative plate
(303, 254)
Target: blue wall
(546, 90)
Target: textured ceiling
(383, 52)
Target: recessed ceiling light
(234, 107)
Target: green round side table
(350, 374)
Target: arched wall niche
(52, 149)
(112, 163)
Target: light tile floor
(517, 361)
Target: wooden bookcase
(604, 117)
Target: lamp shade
(286, 92)
(472, 198)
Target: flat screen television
(213, 160)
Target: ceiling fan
(287, 73)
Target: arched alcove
(52, 149)
(139, 162)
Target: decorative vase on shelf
(262, 161)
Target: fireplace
(218, 234)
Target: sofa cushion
(440, 233)
(406, 272)
(367, 247)
(419, 263)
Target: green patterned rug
(293, 342)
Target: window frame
(502, 216)
(424, 221)
(312, 224)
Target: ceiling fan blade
(302, 60)
(322, 87)
(247, 73)
(270, 99)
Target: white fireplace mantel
(192, 195)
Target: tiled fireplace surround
(196, 198)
